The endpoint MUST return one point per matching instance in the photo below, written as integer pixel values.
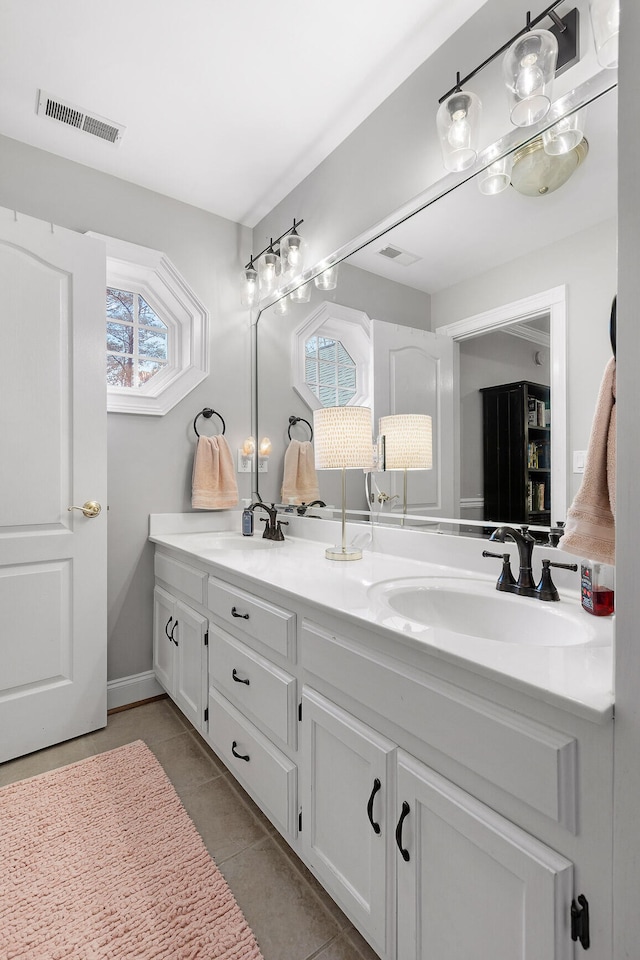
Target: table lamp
(407, 444)
(343, 441)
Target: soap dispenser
(247, 520)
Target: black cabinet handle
(166, 628)
(173, 630)
(376, 787)
(405, 810)
(237, 678)
(243, 616)
(240, 756)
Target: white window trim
(150, 273)
(353, 329)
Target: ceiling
(227, 105)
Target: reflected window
(137, 340)
(329, 371)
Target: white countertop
(577, 678)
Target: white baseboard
(126, 690)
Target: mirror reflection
(486, 312)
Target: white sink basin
(235, 541)
(475, 608)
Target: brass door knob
(90, 509)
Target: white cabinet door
(53, 562)
(470, 883)
(179, 654)
(190, 663)
(347, 798)
(163, 622)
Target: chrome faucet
(273, 526)
(524, 586)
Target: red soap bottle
(597, 588)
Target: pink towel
(214, 482)
(300, 482)
(591, 527)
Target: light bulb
(460, 130)
(530, 78)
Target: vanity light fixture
(605, 22)
(496, 177)
(342, 441)
(282, 256)
(301, 294)
(566, 134)
(532, 59)
(408, 444)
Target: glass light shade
(407, 441)
(342, 438)
(328, 279)
(458, 123)
(496, 177)
(250, 288)
(269, 268)
(605, 22)
(282, 307)
(564, 135)
(264, 449)
(292, 253)
(529, 67)
(249, 447)
(301, 294)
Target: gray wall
(149, 458)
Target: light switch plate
(579, 460)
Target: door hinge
(300, 710)
(580, 921)
(206, 639)
(206, 713)
(300, 822)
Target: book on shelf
(532, 411)
(540, 413)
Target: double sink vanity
(438, 753)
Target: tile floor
(290, 914)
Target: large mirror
(478, 308)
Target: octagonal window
(137, 340)
(330, 371)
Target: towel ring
(208, 412)
(294, 420)
(613, 326)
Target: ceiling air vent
(56, 109)
(402, 257)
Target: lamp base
(343, 553)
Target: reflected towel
(214, 483)
(299, 483)
(591, 527)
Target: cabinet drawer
(180, 575)
(269, 776)
(259, 619)
(255, 685)
(530, 761)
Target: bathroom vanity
(451, 792)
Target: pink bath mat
(100, 860)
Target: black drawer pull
(405, 810)
(166, 628)
(243, 616)
(237, 678)
(240, 756)
(376, 787)
(173, 630)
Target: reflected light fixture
(301, 294)
(342, 441)
(408, 444)
(536, 173)
(605, 23)
(496, 177)
(328, 279)
(566, 134)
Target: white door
(164, 606)
(470, 883)
(190, 663)
(53, 435)
(415, 372)
(347, 794)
